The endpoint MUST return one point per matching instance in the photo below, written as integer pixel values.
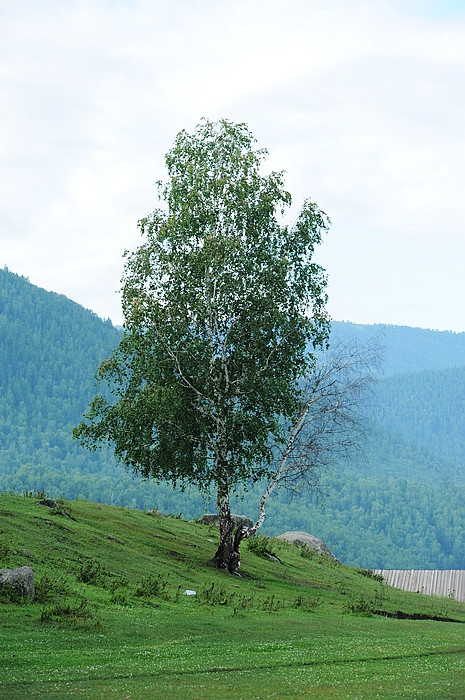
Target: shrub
(118, 591)
(306, 603)
(370, 574)
(77, 614)
(214, 595)
(48, 587)
(93, 572)
(261, 546)
(361, 606)
(10, 594)
(151, 586)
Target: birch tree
(224, 311)
(336, 403)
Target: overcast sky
(361, 102)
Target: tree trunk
(226, 557)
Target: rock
(21, 580)
(309, 541)
(238, 520)
(49, 502)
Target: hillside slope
(111, 618)
(50, 348)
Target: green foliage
(5, 552)
(214, 594)
(361, 606)
(78, 614)
(261, 546)
(223, 308)
(93, 572)
(50, 587)
(368, 604)
(151, 586)
(371, 574)
(10, 594)
(307, 603)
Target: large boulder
(21, 580)
(309, 541)
(214, 519)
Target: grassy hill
(111, 619)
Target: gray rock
(238, 520)
(309, 541)
(21, 579)
(49, 502)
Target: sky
(361, 102)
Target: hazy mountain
(408, 349)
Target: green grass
(111, 620)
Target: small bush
(118, 591)
(272, 604)
(10, 594)
(151, 586)
(361, 606)
(308, 553)
(261, 546)
(119, 596)
(48, 587)
(77, 614)
(306, 603)
(5, 551)
(370, 574)
(93, 572)
(214, 595)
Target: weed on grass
(93, 572)
(75, 614)
(261, 546)
(152, 586)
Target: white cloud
(360, 101)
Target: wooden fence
(449, 583)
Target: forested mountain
(49, 350)
(427, 408)
(407, 349)
(398, 506)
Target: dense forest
(398, 505)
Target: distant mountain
(427, 409)
(50, 348)
(400, 506)
(407, 349)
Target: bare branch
(330, 422)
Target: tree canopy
(224, 309)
